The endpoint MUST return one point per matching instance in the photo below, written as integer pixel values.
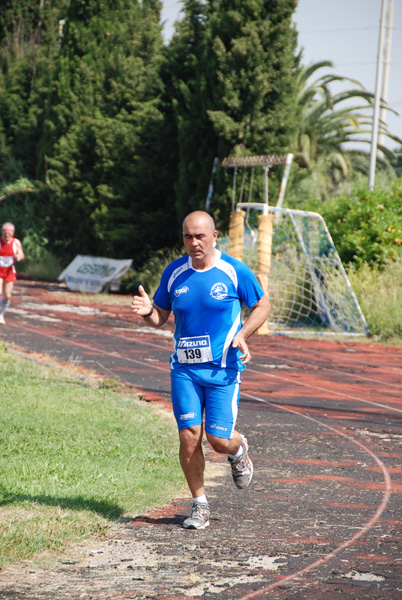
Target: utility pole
(378, 86)
(387, 66)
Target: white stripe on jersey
(227, 268)
(229, 339)
(176, 273)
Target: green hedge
(366, 225)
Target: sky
(345, 32)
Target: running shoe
(242, 468)
(199, 519)
(2, 321)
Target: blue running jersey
(207, 310)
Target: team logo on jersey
(219, 291)
(181, 291)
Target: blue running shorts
(215, 392)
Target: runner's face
(7, 235)
(199, 239)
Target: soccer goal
(308, 287)
(294, 257)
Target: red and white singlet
(7, 259)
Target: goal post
(308, 287)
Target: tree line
(108, 135)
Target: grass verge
(379, 291)
(76, 455)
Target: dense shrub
(366, 225)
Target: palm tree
(333, 130)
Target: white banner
(92, 273)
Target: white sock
(3, 306)
(238, 454)
(201, 499)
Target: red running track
(324, 422)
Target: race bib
(194, 349)
(6, 261)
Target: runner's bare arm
(19, 253)
(259, 314)
(143, 307)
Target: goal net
(308, 287)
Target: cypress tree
(28, 49)
(190, 84)
(106, 168)
(233, 69)
(23, 29)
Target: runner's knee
(220, 445)
(190, 438)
